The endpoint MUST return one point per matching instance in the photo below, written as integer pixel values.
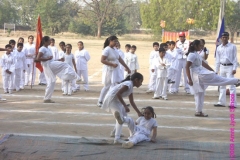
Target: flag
(38, 41)
(221, 25)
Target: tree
(101, 10)
(232, 17)
(8, 13)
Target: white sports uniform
(131, 61)
(153, 75)
(30, 72)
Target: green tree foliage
(8, 13)
(175, 13)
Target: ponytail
(133, 77)
(192, 46)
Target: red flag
(38, 42)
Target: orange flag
(38, 42)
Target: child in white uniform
(153, 75)
(111, 60)
(30, 72)
(82, 57)
(114, 101)
(62, 51)
(69, 85)
(20, 65)
(200, 75)
(204, 52)
(122, 55)
(8, 68)
(160, 65)
(54, 49)
(141, 131)
(131, 60)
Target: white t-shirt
(61, 54)
(68, 58)
(82, 57)
(54, 52)
(148, 124)
(111, 54)
(30, 51)
(152, 56)
(113, 91)
(46, 53)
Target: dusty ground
(56, 131)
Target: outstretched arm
(154, 135)
(205, 65)
(134, 105)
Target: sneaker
(170, 81)
(155, 97)
(149, 91)
(165, 98)
(118, 141)
(238, 83)
(118, 117)
(187, 91)
(99, 104)
(172, 92)
(127, 144)
(48, 101)
(64, 94)
(112, 134)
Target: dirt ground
(75, 128)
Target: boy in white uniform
(20, 65)
(153, 75)
(82, 57)
(54, 49)
(131, 60)
(8, 68)
(160, 65)
(30, 72)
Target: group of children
(19, 70)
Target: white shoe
(155, 97)
(127, 145)
(118, 141)
(165, 98)
(112, 134)
(64, 94)
(118, 117)
(149, 91)
(99, 104)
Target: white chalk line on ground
(95, 74)
(95, 98)
(112, 125)
(84, 105)
(105, 114)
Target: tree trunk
(232, 37)
(99, 32)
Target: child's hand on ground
(153, 140)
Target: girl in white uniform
(141, 131)
(20, 65)
(204, 52)
(114, 101)
(131, 60)
(52, 68)
(82, 57)
(161, 65)
(68, 85)
(8, 68)
(110, 59)
(201, 75)
(30, 72)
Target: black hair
(203, 41)
(20, 44)
(172, 43)
(107, 41)
(80, 42)
(155, 43)
(69, 45)
(62, 43)
(161, 50)
(151, 110)
(12, 41)
(192, 46)
(133, 46)
(128, 45)
(21, 39)
(168, 42)
(8, 46)
(30, 36)
(163, 45)
(44, 39)
(134, 76)
(52, 39)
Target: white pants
(84, 74)
(226, 71)
(17, 78)
(161, 87)
(182, 67)
(210, 80)
(171, 74)
(8, 82)
(152, 81)
(30, 74)
(49, 90)
(135, 136)
(42, 78)
(22, 79)
(67, 87)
